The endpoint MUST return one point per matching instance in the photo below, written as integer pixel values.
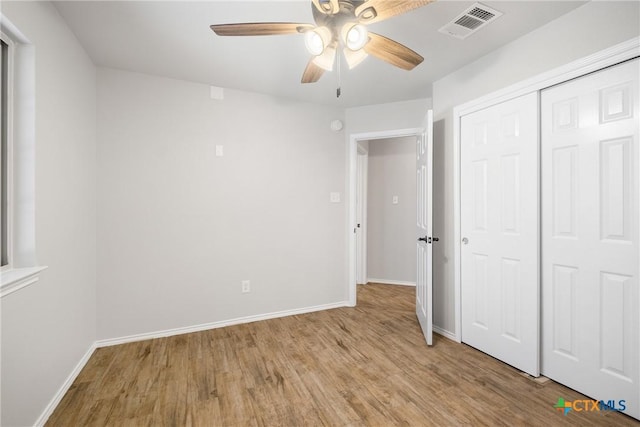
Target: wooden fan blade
(392, 52)
(312, 73)
(378, 10)
(260, 28)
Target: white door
(361, 215)
(500, 235)
(590, 235)
(424, 231)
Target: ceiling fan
(340, 25)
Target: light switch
(395, 200)
(334, 197)
(219, 150)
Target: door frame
(354, 138)
(602, 59)
(362, 174)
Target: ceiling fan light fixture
(355, 36)
(316, 40)
(340, 26)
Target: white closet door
(590, 235)
(500, 232)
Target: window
(19, 267)
(5, 114)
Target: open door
(424, 231)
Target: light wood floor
(367, 365)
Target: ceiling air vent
(470, 21)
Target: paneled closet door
(590, 235)
(500, 232)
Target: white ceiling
(173, 39)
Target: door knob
(465, 241)
(435, 239)
(422, 239)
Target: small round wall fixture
(336, 125)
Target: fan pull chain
(338, 72)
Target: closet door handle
(465, 241)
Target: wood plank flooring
(362, 366)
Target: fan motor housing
(335, 21)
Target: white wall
(49, 326)
(586, 30)
(384, 117)
(391, 227)
(179, 228)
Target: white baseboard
(213, 325)
(391, 282)
(445, 333)
(42, 419)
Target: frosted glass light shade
(317, 40)
(355, 36)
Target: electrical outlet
(246, 286)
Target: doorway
(423, 139)
(362, 140)
(386, 211)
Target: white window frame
(22, 269)
(7, 162)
